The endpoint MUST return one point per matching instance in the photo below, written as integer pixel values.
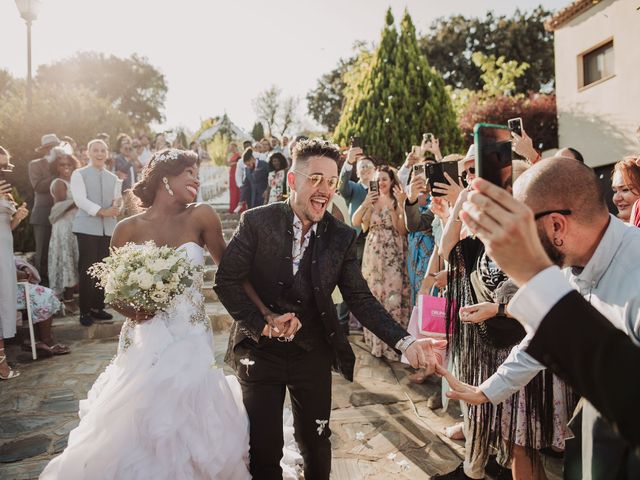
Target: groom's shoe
(101, 315)
(86, 319)
(457, 474)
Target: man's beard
(556, 256)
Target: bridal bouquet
(147, 278)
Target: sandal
(42, 349)
(454, 432)
(60, 349)
(12, 373)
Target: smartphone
(356, 142)
(420, 171)
(427, 137)
(515, 125)
(373, 186)
(494, 157)
(7, 175)
(436, 171)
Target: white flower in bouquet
(147, 278)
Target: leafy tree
(537, 110)
(274, 111)
(257, 132)
(450, 43)
(63, 109)
(324, 103)
(131, 85)
(7, 82)
(393, 96)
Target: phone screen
(373, 185)
(436, 173)
(494, 157)
(515, 125)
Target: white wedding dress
(161, 409)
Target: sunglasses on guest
(467, 172)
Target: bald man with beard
(601, 260)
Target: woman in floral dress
(277, 183)
(63, 246)
(384, 260)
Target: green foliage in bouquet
(146, 278)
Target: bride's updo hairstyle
(169, 162)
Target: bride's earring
(165, 180)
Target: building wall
(600, 120)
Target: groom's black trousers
(307, 375)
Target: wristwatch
(502, 310)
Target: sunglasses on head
(317, 178)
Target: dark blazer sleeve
(577, 343)
(416, 221)
(233, 270)
(40, 176)
(363, 304)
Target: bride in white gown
(162, 409)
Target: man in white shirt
(602, 256)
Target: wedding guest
(277, 181)
(257, 175)
(96, 192)
(44, 305)
(275, 145)
(124, 167)
(63, 247)
(625, 183)
(10, 218)
(354, 193)
(384, 258)
(600, 257)
(241, 175)
(234, 190)
(286, 150)
(144, 153)
(41, 177)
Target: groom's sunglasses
(317, 178)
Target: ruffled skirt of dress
(161, 410)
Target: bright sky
(218, 55)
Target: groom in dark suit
(294, 254)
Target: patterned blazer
(260, 251)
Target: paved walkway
(381, 424)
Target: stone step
(219, 317)
(209, 293)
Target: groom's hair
(314, 147)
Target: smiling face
(624, 196)
(365, 170)
(309, 200)
(98, 153)
(64, 167)
(185, 185)
(384, 183)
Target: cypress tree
(394, 97)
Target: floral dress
(63, 246)
(384, 268)
(420, 250)
(276, 185)
(44, 303)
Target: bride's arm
(214, 241)
(122, 235)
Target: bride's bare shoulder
(205, 212)
(124, 231)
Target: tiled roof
(568, 13)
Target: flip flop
(42, 349)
